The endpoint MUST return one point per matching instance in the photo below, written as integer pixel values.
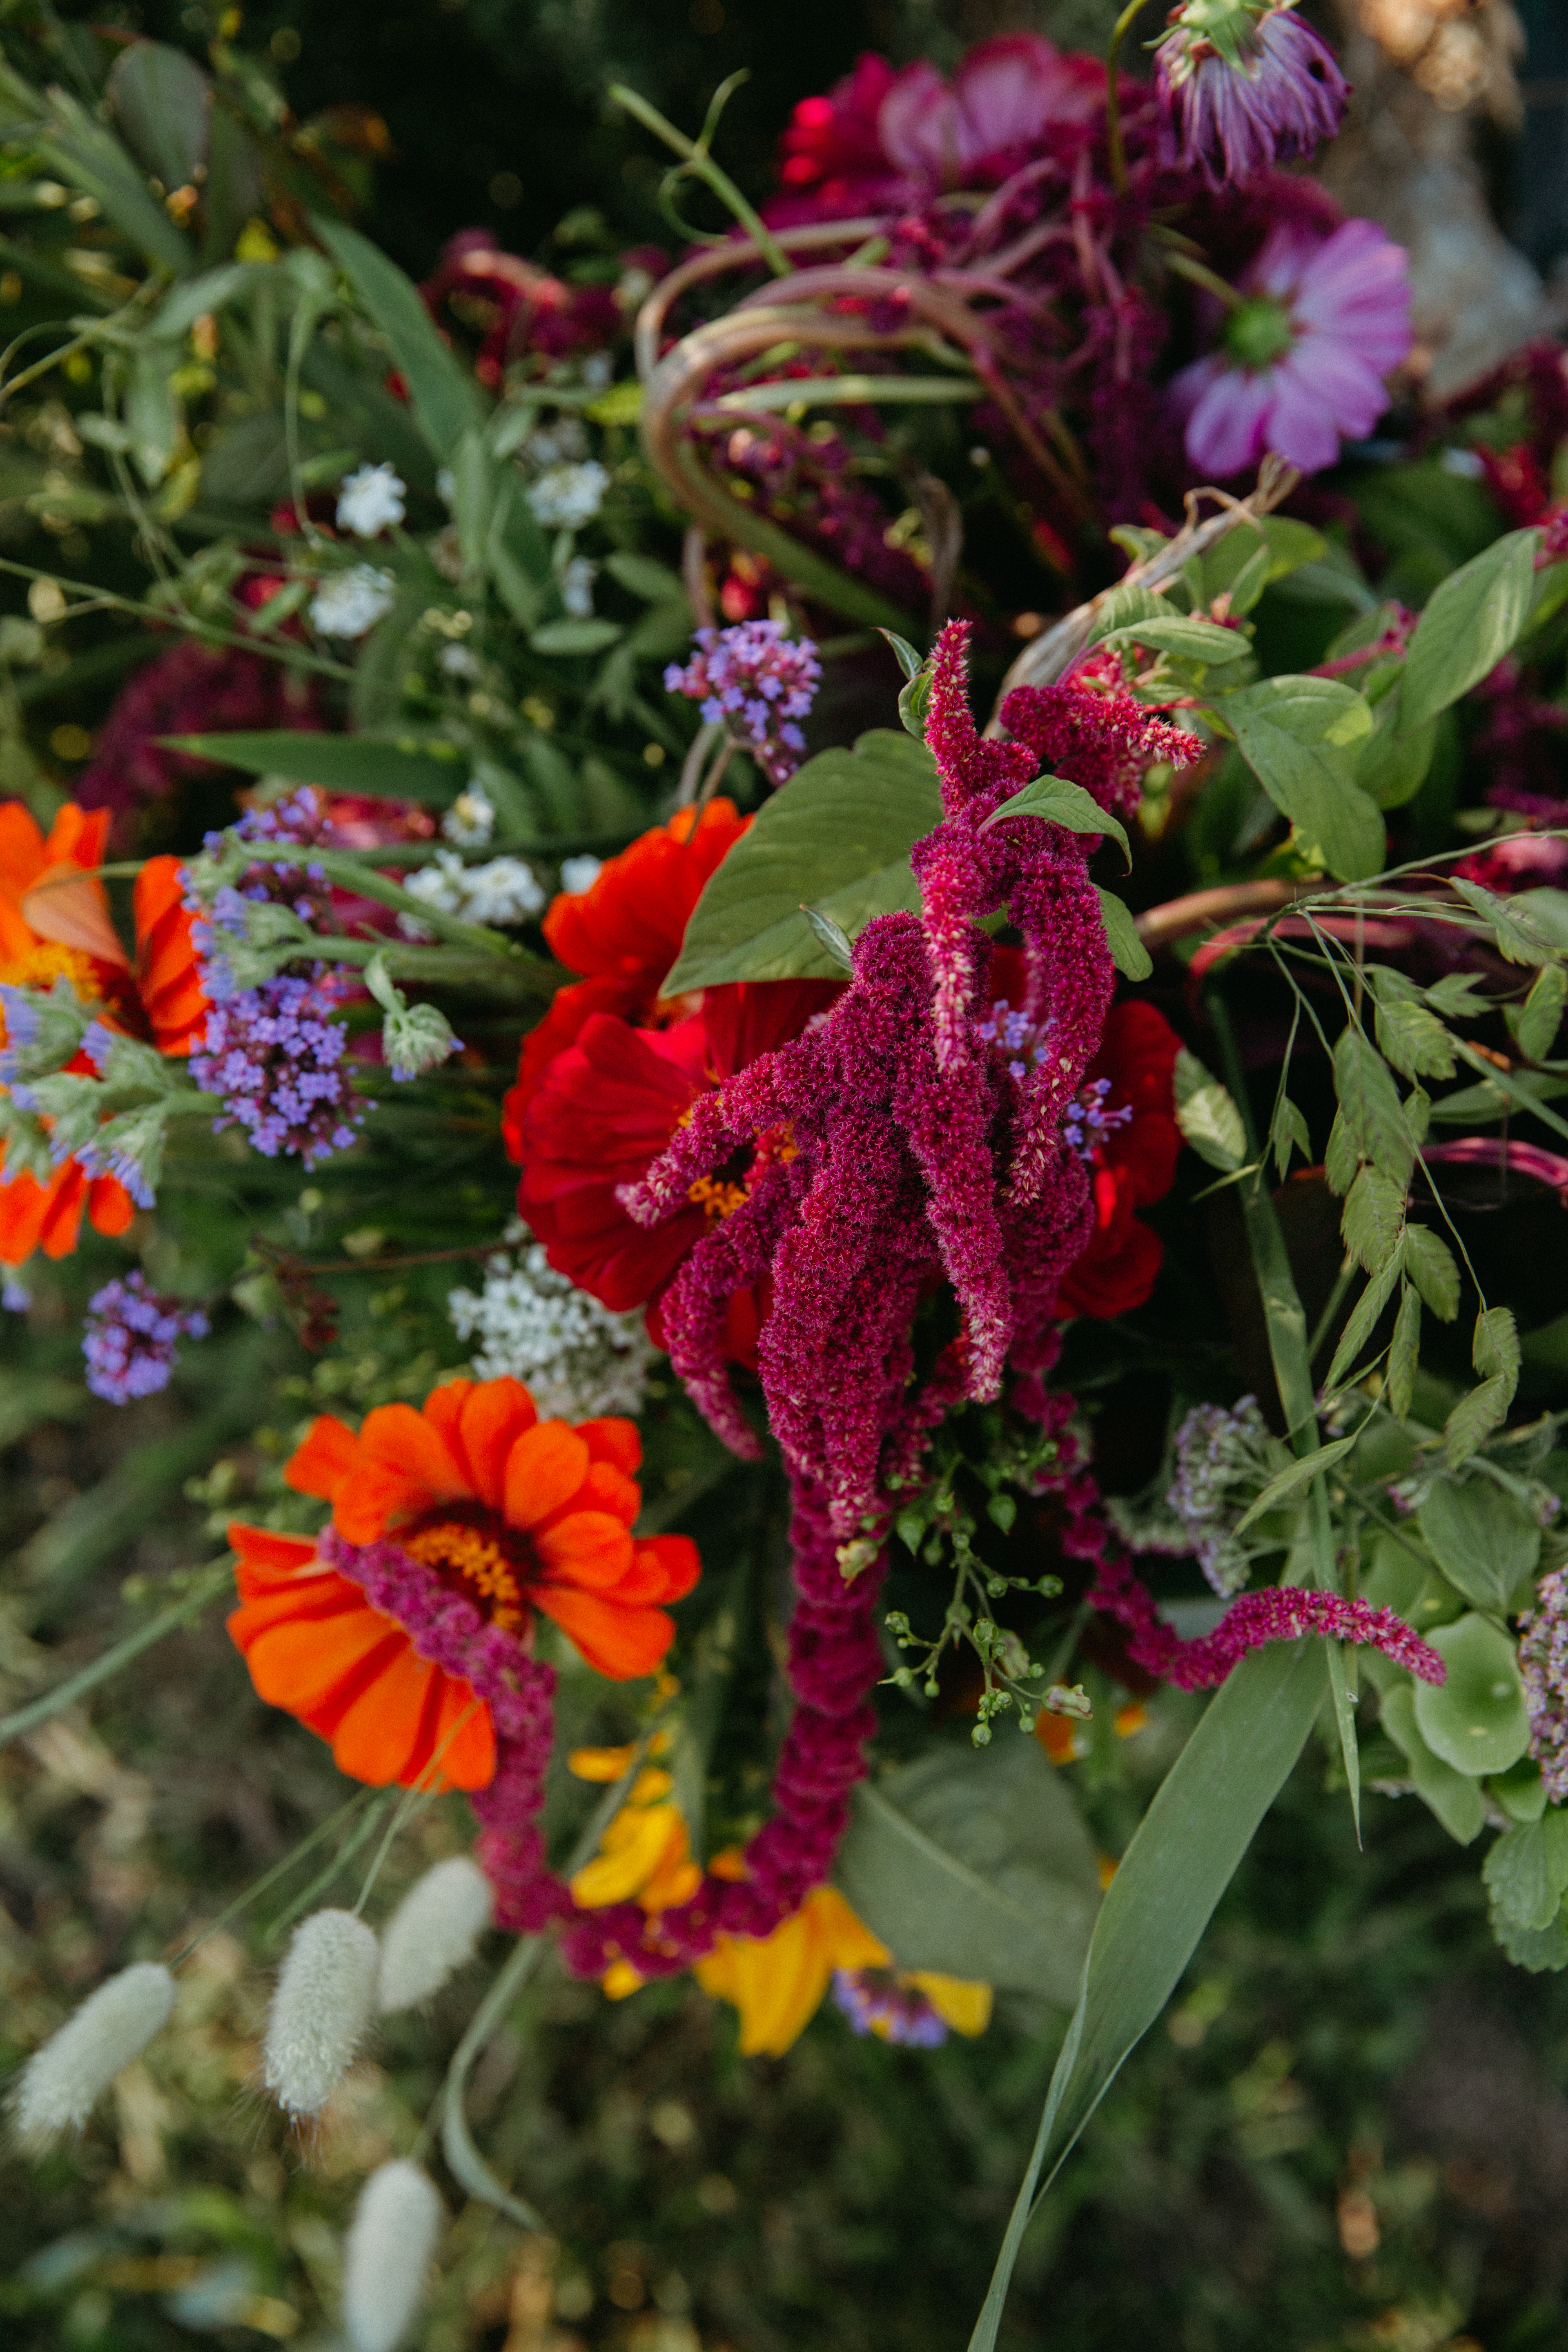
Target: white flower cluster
(471, 819)
(580, 874)
(566, 497)
(348, 604)
(577, 587)
(534, 1326)
(370, 500)
(502, 890)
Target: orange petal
(397, 1438)
(679, 1563)
(23, 1203)
(264, 1556)
(544, 1469)
(65, 1197)
(77, 836)
(371, 1500)
(619, 1442)
(300, 1599)
(325, 1459)
(495, 1415)
(620, 1642)
(377, 1734)
(443, 1410)
(605, 1488)
(467, 1760)
(305, 1664)
(587, 1548)
(109, 1207)
(64, 907)
(22, 855)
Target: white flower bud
(320, 2010)
(113, 2025)
(433, 1931)
(392, 2235)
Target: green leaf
(1429, 1263)
(161, 101)
(975, 1864)
(1374, 1220)
(151, 414)
(1299, 737)
(1182, 1858)
(1341, 1159)
(1125, 605)
(830, 936)
(1536, 1023)
(640, 576)
(1287, 1128)
(1475, 1720)
(1484, 1541)
(1060, 802)
(1456, 996)
(568, 637)
(447, 403)
(839, 836)
(914, 701)
(1495, 1348)
(85, 152)
(1127, 953)
(1200, 641)
(1415, 1041)
(1364, 1316)
(1519, 938)
(1547, 1950)
(1474, 1418)
(1372, 1107)
(1526, 1873)
(1392, 765)
(1292, 1480)
(1211, 1123)
(432, 773)
(1469, 623)
(1404, 1354)
(1453, 1797)
(909, 662)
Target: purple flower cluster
(1015, 1038)
(302, 889)
(1087, 1122)
(129, 1338)
(879, 2001)
(1543, 1663)
(1244, 87)
(275, 1056)
(751, 677)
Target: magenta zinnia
(1244, 86)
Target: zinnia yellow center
(457, 1547)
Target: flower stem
(1199, 274)
(694, 154)
(1113, 140)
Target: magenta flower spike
(1245, 84)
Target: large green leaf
(1064, 804)
(838, 837)
(445, 402)
(1185, 1854)
(1476, 1719)
(1302, 739)
(161, 101)
(1453, 1798)
(1468, 625)
(432, 773)
(1485, 1542)
(976, 1863)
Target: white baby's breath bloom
(370, 500)
(566, 497)
(579, 1360)
(433, 1931)
(577, 587)
(61, 2082)
(560, 442)
(471, 819)
(348, 604)
(458, 661)
(319, 2010)
(580, 874)
(395, 2231)
(503, 890)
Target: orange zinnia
(54, 924)
(391, 1633)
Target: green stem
(1113, 140)
(1199, 274)
(206, 1588)
(508, 977)
(369, 884)
(694, 153)
(171, 617)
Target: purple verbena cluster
(752, 678)
(893, 2008)
(1543, 1663)
(1277, 95)
(1087, 1122)
(1014, 1036)
(302, 889)
(129, 1338)
(275, 1056)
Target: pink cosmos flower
(1242, 89)
(1303, 356)
(880, 140)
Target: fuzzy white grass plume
(392, 2235)
(433, 1931)
(61, 2082)
(320, 2010)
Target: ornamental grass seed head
(391, 2237)
(322, 2005)
(433, 1933)
(61, 2082)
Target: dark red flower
(1132, 1164)
(189, 690)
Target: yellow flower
(644, 1854)
(957, 2000)
(777, 1982)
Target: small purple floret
(1543, 1663)
(877, 2001)
(754, 679)
(129, 1338)
(275, 1056)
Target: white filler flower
(348, 604)
(370, 501)
(566, 497)
(502, 890)
(534, 1326)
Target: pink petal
(917, 123)
(1227, 429)
(1299, 428)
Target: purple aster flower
(1543, 1664)
(752, 676)
(1303, 355)
(275, 1056)
(129, 1338)
(1245, 85)
(892, 2007)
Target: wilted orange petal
(588, 1548)
(377, 1734)
(325, 1459)
(544, 1469)
(495, 1416)
(616, 1641)
(67, 908)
